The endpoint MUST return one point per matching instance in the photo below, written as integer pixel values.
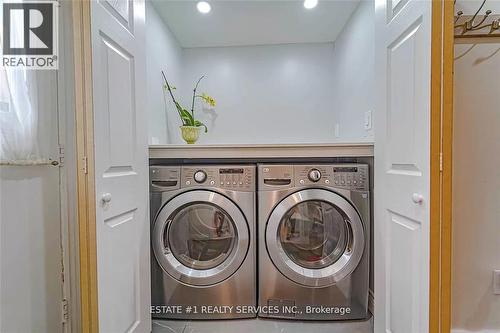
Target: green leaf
(199, 123)
(187, 117)
(179, 111)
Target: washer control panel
(200, 176)
(231, 177)
(354, 177)
(346, 176)
(314, 175)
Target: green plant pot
(190, 134)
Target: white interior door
(121, 158)
(402, 165)
(30, 215)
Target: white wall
(476, 188)
(163, 53)
(30, 253)
(288, 93)
(265, 94)
(30, 288)
(469, 7)
(354, 74)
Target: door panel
(403, 111)
(122, 10)
(403, 276)
(394, 8)
(402, 164)
(120, 136)
(118, 90)
(31, 288)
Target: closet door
(402, 165)
(121, 165)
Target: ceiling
(254, 22)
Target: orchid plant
(187, 117)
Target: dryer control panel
(230, 177)
(352, 177)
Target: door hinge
(64, 310)
(61, 156)
(85, 165)
(441, 162)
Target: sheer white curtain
(18, 117)
(18, 114)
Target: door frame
(440, 177)
(441, 165)
(82, 54)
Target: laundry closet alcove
(238, 84)
(291, 85)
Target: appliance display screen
(231, 171)
(345, 169)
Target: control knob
(314, 175)
(200, 176)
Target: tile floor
(261, 326)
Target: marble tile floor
(261, 326)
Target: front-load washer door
(200, 238)
(315, 237)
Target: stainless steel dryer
(314, 229)
(202, 239)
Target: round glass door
(315, 237)
(200, 237)
(313, 234)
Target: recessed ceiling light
(310, 4)
(204, 7)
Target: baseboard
(371, 301)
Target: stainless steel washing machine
(314, 227)
(202, 238)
